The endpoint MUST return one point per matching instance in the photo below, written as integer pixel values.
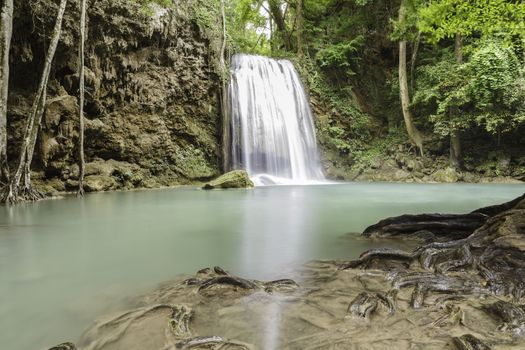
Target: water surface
(65, 262)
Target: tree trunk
(456, 158)
(300, 28)
(277, 14)
(6, 31)
(413, 132)
(413, 61)
(33, 122)
(81, 75)
(224, 96)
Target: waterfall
(271, 123)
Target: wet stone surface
(465, 293)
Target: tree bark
(456, 158)
(6, 32)
(300, 28)
(226, 162)
(413, 133)
(413, 61)
(277, 14)
(33, 122)
(81, 75)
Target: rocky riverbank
(402, 165)
(461, 288)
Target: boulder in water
(233, 179)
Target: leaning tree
(28, 192)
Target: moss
(233, 179)
(192, 164)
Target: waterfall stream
(272, 129)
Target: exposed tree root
(64, 346)
(378, 254)
(231, 281)
(494, 252)
(212, 343)
(512, 316)
(423, 298)
(8, 195)
(440, 225)
(469, 342)
(180, 321)
(216, 280)
(179, 336)
(119, 325)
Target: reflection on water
(65, 262)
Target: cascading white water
(272, 129)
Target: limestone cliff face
(152, 88)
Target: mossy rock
(233, 179)
(447, 175)
(98, 183)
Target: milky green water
(65, 262)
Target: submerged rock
(233, 179)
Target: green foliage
(340, 55)
(147, 5)
(497, 88)
(442, 94)
(444, 18)
(207, 15)
(380, 148)
(248, 27)
(347, 129)
(487, 91)
(406, 29)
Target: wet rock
(512, 316)
(469, 342)
(452, 225)
(98, 183)
(446, 175)
(401, 175)
(414, 165)
(470, 177)
(213, 342)
(64, 346)
(233, 179)
(363, 305)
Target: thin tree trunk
(82, 162)
(413, 132)
(413, 61)
(300, 28)
(224, 97)
(33, 123)
(456, 158)
(6, 32)
(277, 14)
